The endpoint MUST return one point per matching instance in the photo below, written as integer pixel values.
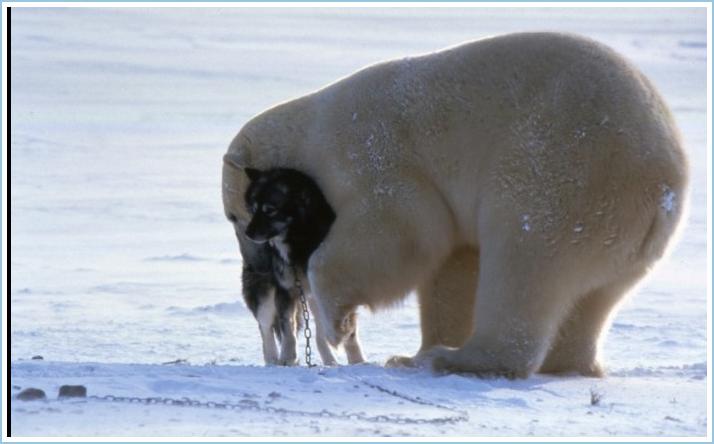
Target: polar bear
(521, 184)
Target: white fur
(265, 317)
(279, 244)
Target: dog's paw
(290, 362)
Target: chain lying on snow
(247, 405)
(254, 407)
(414, 400)
(460, 416)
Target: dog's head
(278, 199)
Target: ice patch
(222, 308)
(578, 228)
(669, 199)
(185, 257)
(383, 190)
(128, 288)
(525, 223)
(688, 44)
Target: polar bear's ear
(235, 160)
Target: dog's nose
(253, 236)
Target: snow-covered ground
(122, 261)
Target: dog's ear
(235, 160)
(253, 174)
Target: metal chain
(413, 400)
(306, 317)
(460, 416)
(248, 405)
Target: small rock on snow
(73, 391)
(31, 394)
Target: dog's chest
(281, 263)
(282, 248)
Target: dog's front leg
(286, 308)
(267, 317)
(270, 350)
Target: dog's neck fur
(302, 237)
(305, 215)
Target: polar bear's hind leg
(575, 348)
(515, 317)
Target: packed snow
(126, 275)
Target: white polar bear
(521, 184)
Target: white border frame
(5, 203)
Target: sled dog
(289, 219)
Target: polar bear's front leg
(371, 258)
(446, 302)
(328, 358)
(351, 341)
(353, 349)
(330, 315)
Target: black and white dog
(290, 217)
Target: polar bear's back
(543, 124)
(546, 126)
(496, 89)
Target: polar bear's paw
(438, 359)
(400, 362)
(466, 361)
(423, 359)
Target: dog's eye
(253, 208)
(232, 218)
(269, 210)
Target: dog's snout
(254, 235)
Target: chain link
(249, 405)
(413, 400)
(306, 317)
